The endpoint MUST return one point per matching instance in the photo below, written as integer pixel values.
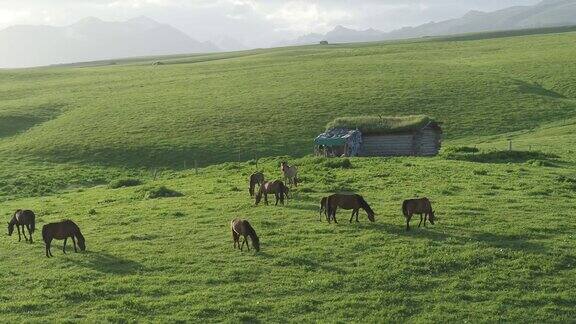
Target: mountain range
(93, 39)
(548, 13)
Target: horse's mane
(364, 204)
(251, 231)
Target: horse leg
(357, 211)
(277, 198)
(23, 232)
(351, 217)
(74, 241)
(236, 239)
(64, 246)
(266, 199)
(19, 236)
(421, 222)
(334, 215)
(48, 253)
(425, 218)
(29, 233)
(247, 243)
(408, 222)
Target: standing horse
(62, 231)
(347, 201)
(276, 187)
(256, 178)
(418, 206)
(26, 219)
(290, 173)
(243, 228)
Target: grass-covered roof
(381, 124)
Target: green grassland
(502, 248)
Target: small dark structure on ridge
(324, 42)
(380, 136)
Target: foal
(62, 231)
(243, 228)
(418, 206)
(24, 218)
(256, 178)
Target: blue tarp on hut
(349, 140)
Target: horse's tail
(405, 208)
(252, 186)
(45, 233)
(328, 206)
(32, 222)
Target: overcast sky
(253, 22)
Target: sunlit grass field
(501, 250)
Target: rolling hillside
(502, 249)
(213, 108)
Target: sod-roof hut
(387, 136)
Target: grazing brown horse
(243, 228)
(62, 231)
(323, 208)
(290, 173)
(256, 178)
(276, 187)
(418, 206)
(26, 219)
(347, 201)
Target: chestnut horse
(418, 206)
(243, 228)
(256, 178)
(62, 231)
(27, 220)
(276, 187)
(347, 201)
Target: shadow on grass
(107, 263)
(299, 261)
(422, 232)
(534, 157)
(511, 242)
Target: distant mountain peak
(92, 39)
(88, 21)
(143, 21)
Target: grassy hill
(502, 249)
(274, 102)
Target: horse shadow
(107, 263)
(400, 230)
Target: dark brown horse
(276, 187)
(420, 206)
(62, 231)
(347, 201)
(256, 178)
(323, 208)
(26, 219)
(243, 228)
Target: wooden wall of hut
(425, 142)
